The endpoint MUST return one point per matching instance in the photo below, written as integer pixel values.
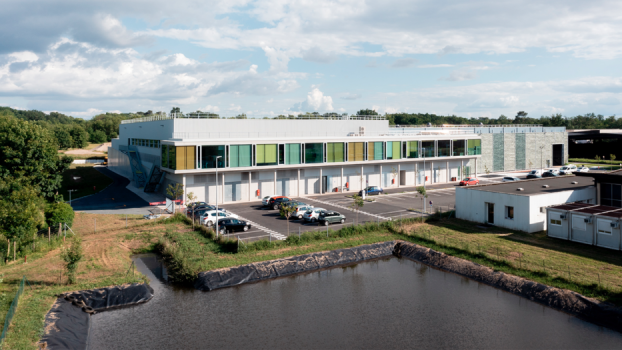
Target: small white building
(520, 205)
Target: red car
(469, 181)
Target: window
(475, 147)
(334, 152)
(457, 148)
(578, 223)
(412, 149)
(293, 153)
(509, 213)
(375, 151)
(314, 153)
(185, 158)
(356, 151)
(427, 149)
(172, 157)
(281, 154)
(610, 194)
(240, 156)
(394, 150)
(556, 222)
(209, 154)
(266, 154)
(164, 157)
(144, 143)
(604, 226)
(444, 148)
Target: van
(568, 169)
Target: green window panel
(172, 157)
(427, 149)
(314, 153)
(444, 147)
(458, 148)
(266, 154)
(209, 155)
(397, 150)
(334, 152)
(474, 147)
(378, 151)
(412, 149)
(293, 153)
(240, 156)
(164, 157)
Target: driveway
(114, 199)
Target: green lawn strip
(89, 177)
(601, 161)
(27, 326)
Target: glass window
(185, 157)
(458, 148)
(209, 154)
(412, 149)
(375, 151)
(356, 151)
(240, 156)
(164, 157)
(509, 213)
(293, 153)
(427, 149)
(281, 154)
(266, 154)
(334, 152)
(393, 150)
(474, 147)
(314, 153)
(443, 148)
(556, 222)
(172, 157)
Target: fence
(9, 315)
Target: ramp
(156, 175)
(140, 178)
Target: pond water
(390, 303)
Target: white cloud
(435, 65)
(316, 102)
(235, 108)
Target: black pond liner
(67, 324)
(233, 276)
(592, 310)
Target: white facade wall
(471, 205)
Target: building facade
(297, 157)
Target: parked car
(272, 198)
(231, 225)
(275, 202)
(371, 190)
(198, 210)
(313, 214)
(552, 170)
(209, 218)
(265, 200)
(510, 179)
(196, 204)
(469, 181)
(331, 217)
(534, 174)
(568, 169)
(550, 173)
(301, 210)
(583, 169)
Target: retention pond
(395, 303)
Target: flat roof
(593, 209)
(534, 187)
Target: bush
(72, 256)
(57, 213)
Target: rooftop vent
(520, 189)
(574, 182)
(545, 186)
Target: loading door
(558, 155)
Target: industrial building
(317, 154)
(521, 205)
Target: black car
(231, 225)
(534, 176)
(274, 203)
(371, 190)
(293, 203)
(202, 209)
(550, 174)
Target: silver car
(510, 179)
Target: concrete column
(184, 183)
(399, 173)
(250, 190)
(461, 172)
(431, 173)
(322, 182)
(447, 172)
(381, 185)
(342, 179)
(275, 183)
(416, 172)
(475, 160)
(298, 187)
(222, 189)
(362, 178)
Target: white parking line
(264, 229)
(347, 208)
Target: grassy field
(87, 178)
(594, 161)
(558, 263)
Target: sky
(475, 58)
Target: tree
(357, 204)
(175, 191)
(63, 137)
(21, 209)
(98, 136)
(612, 157)
(191, 198)
(367, 112)
(58, 213)
(423, 193)
(72, 256)
(79, 136)
(27, 149)
(287, 211)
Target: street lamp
(70, 195)
(217, 213)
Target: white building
(520, 205)
(304, 156)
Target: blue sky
(265, 58)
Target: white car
(552, 170)
(209, 218)
(568, 169)
(300, 211)
(265, 200)
(583, 169)
(313, 214)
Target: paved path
(115, 199)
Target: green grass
(89, 177)
(594, 161)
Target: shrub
(56, 213)
(72, 256)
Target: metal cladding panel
(498, 152)
(521, 154)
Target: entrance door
(558, 155)
(402, 177)
(491, 213)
